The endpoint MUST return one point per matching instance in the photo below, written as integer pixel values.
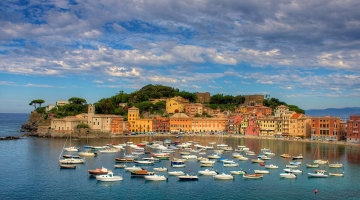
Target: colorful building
(180, 122)
(176, 105)
(325, 128)
(353, 128)
(208, 125)
(194, 108)
(161, 125)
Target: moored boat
(336, 174)
(336, 165)
(300, 156)
(287, 175)
(207, 172)
(65, 166)
(285, 155)
(160, 169)
(155, 177)
(261, 171)
(188, 177)
(109, 177)
(98, 171)
(176, 173)
(312, 165)
(257, 160)
(271, 166)
(293, 170)
(253, 176)
(238, 172)
(224, 176)
(318, 174)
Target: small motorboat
(312, 165)
(206, 164)
(133, 168)
(224, 176)
(87, 153)
(253, 176)
(189, 156)
(287, 175)
(207, 172)
(257, 160)
(336, 174)
(242, 158)
(144, 162)
(176, 173)
(160, 169)
(285, 155)
(71, 149)
(321, 162)
(318, 174)
(155, 177)
(188, 177)
(70, 156)
(98, 171)
(124, 160)
(120, 166)
(294, 163)
(336, 165)
(291, 166)
(271, 166)
(238, 172)
(295, 171)
(64, 166)
(109, 177)
(213, 156)
(262, 164)
(230, 164)
(300, 156)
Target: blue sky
(305, 53)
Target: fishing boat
(109, 177)
(224, 176)
(188, 177)
(253, 176)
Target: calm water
(30, 170)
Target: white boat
(222, 145)
(152, 159)
(144, 162)
(318, 174)
(257, 160)
(207, 172)
(228, 161)
(176, 173)
(237, 155)
(71, 149)
(336, 165)
(295, 171)
(207, 161)
(250, 153)
(265, 149)
(120, 166)
(242, 158)
(300, 156)
(230, 164)
(312, 165)
(336, 174)
(242, 148)
(109, 177)
(294, 163)
(178, 164)
(201, 158)
(70, 160)
(264, 157)
(238, 172)
(206, 164)
(213, 156)
(155, 177)
(271, 166)
(160, 169)
(188, 177)
(133, 168)
(87, 153)
(212, 143)
(287, 175)
(261, 171)
(110, 150)
(269, 153)
(224, 176)
(189, 156)
(185, 153)
(227, 148)
(292, 166)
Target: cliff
(35, 120)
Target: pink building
(353, 128)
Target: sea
(30, 170)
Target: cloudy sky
(303, 52)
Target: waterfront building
(343, 127)
(267, 125)
(353, 128)
(203, 97)
(180, 122)
(252, 128)
(299, 126)
(234, 124)
(117, 126)
(325, 128)
(259, 109)
(208, 125)
(101, 122)
(143, 125)
(176, 105)
(66, 124)
(194, 108)
(161, 124)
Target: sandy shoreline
(252, 137)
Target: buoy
(315, 191)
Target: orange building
(325, 128)
(193, 109)
(180, 122)
(210, 125)
(117, 126)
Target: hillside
(343, 113)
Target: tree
(77, 100)
(36, 101)
(216, 99)
(105, 106)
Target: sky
(305, 53)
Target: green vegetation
(82, 125)
(35, 102)
(273, 103)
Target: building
(161, 125)
(194, 108)
(49, 107)
(234, 124)
(208, 125)
(353, 128)
(257, 108)
(253, 100)
(299, 126)
(133, 116)
(143, 126)
(67, 124)
(267, 125)
(180, 122)
(325, 128)
(62, 102)
(203, 97)
(176, 105)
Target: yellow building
(143, 125)
(133, 116)
(299, 126)
(200, 125)
(180, 122)
(268, 126)
(176, 105)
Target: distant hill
(343, 113)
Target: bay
(30, 170)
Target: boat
(70, 160)
(160, 169)
(189, 156)
(65, 166)
(294, 163)
(141, 173)
(188, 177)
(206, 164)
(318, 174)
(109, 177)
(300, 156)
(178, 164)
(133, 168)
(87, 153)
(230, 164)
(238, 172)
(120, 166)
(285, 155)
(317, 155)
(71, 149)
(124, 160)
(271, 166)
(242, 158)
(155, 177)
(184, 153)
(70, 156)
(269, 153)
(295, 171)
(264, 157)
(224, 176)
(109, 150)
(144, 162)
(176, 173)
(287, 175)
(152, 159)
(250, 153)
(321, 162)
(261, 171)
(213, 156)
(207, 172)
(312, 165)
(98, 171)
(291, 166)
(257, 160)
(253, 176)
(227, 148)
(262, 164)
(336, 165)
(242, 148)
(336, 174)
